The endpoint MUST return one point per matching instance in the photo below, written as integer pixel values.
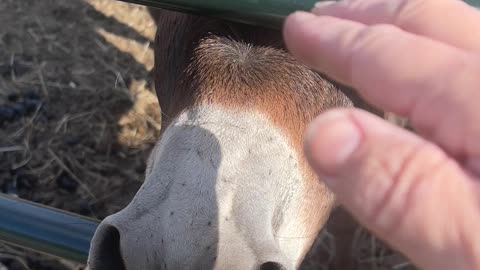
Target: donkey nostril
(105, 253)
(272, 266)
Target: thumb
(403, 188)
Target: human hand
(419, 59)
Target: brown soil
(78, 118)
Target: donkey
(227, 185)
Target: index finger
(391, 68)
(449, 21)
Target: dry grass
(92, 118)
(81, 70)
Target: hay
(86, 117)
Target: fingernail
(330, 141)
(323, 4)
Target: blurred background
(78, 118)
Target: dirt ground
(78, 118)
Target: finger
(432, 84)
(449, 21)
(404, 189)
(391, 68)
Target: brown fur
(200, 60)
(203, 60)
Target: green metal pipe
(267, 13)
(45, 229)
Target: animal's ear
(174, 41)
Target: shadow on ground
(77, 117)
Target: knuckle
(381, 30)
(408, 10)
(367, 44)
(419, 166)
(373, 37)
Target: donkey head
(227, 186)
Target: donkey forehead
(196, 63)
(239, 76)
(200, 60)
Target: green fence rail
(268, 13)
(45, 229)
